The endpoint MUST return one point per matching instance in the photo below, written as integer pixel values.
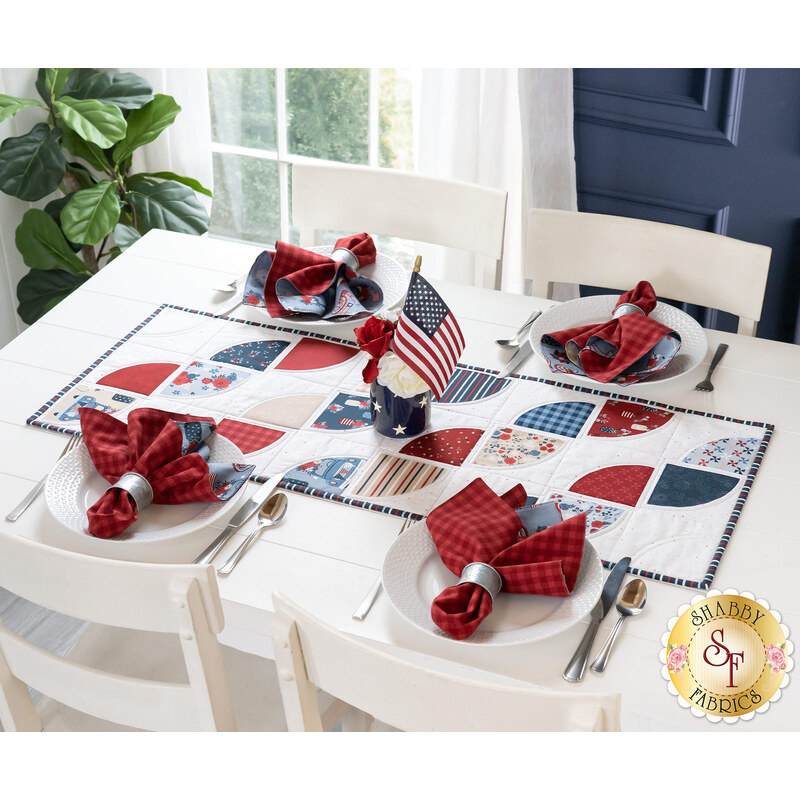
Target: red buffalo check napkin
(292, 280)
(476, 525)
(607, 349)
(167, 449)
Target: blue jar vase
(398, 417)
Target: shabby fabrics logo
(726, 656)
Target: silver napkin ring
(137, 486)
(626, 308)
(348, 256)
(485, 576)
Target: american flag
(427, 337)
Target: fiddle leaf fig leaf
(43, 246)
(51, 82)
(91, 214)
(9, 106)
(96, 122)
(31, 166)
(171, 176)
(90, 153)
(39, 291)
(123, 89)
(146, 124)
(125, 236)
(168, 205)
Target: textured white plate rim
(586, 310)
(407, 555)
(63, 492)
(391, 277)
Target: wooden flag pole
(418, 264)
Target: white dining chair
(312, 657)
(149, 659)
(682, 264)
(389, 202)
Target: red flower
(221, 383)
(182, 379)
(374, 338)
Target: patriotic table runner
(661, 484)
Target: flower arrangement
(375, 338)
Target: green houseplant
(95, 121)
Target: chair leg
(354, 720)
(17, 711)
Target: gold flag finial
(418, 264)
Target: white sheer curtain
(505, 128)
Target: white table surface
(325, 555)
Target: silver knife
(524, 352)
(228, 309)
(239, 518)
(577, 666)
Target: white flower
(389, 314)
(399, 378)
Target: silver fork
(374, 590)
(706, 385)
(14, 515)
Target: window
(262, 120)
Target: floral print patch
(201, 378)
(507, 447)
(598, 516)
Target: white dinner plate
(588, 310)
(413, 575)
(74, 486)
(386, 272)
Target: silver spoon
(270, 514)
(631, 603)
(514, 340)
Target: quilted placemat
(661, 484)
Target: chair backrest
(408, 696)
(683, 264)
(164, 598)
(407, 205)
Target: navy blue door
(713, 149)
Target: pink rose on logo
(677, 658)
(776, 657)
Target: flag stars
(399, 430)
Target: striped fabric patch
(565, 419)
(392, 475)
(465, 386)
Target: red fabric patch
(140, 378)
(248, 438)
(450, 446)
(623, 484)
(476, 525)
(316, 354)
(620, 418)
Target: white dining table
(325, 555)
